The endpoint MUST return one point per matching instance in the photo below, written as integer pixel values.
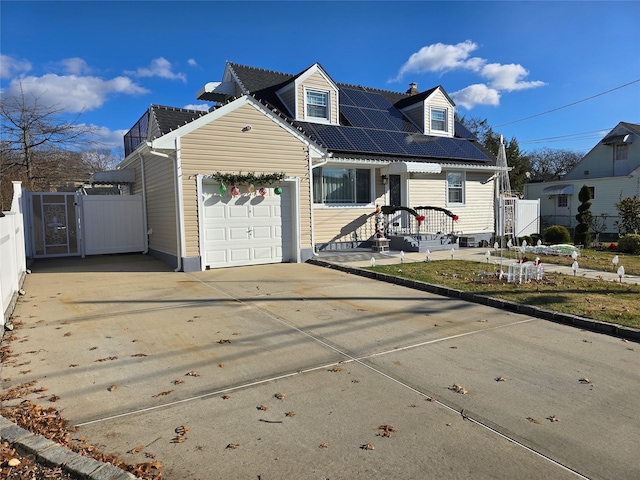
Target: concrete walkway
(297, 371)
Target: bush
(535, 237)
(557, 234)
(629, 243)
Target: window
(439, 119)
(563, 201)
(620, 151)
(317, 104)
(455, 187)
(342, 185)
(593, 192)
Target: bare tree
(37, 142)
(549, 164)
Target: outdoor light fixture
(453, 251)
(496, 245)
(401, 256)
(574, 267)
(488, 255)
(373, 261)
(384, 179)
(621, 273)
(428, 252)
(574, 254)
(615, 261)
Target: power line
(570, 104)
(580, 136)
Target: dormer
(432, 110)
(311, 96)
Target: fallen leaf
(368, 446)
(355, 380)
(233, 445)
(139, 355)
(262, 407)
(280, 396)
(224, 341)
(290, 414)
(458, 389)
(533, 420)
(553, 418)
(221, 365)
(162, 394)
(501, 379)
(584, 380)
(73, 365)
(336, 369)
(192, 373)
(68, 334)
(135, 450)
(226, 397)
(112, 388)
(324, 445)
(386, 430)
(178, 381)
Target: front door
(54, 224)
(396, 221)
(563, 210)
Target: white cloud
(441, 58)
(159, 67)
(478, 94)
(72, 93)
(202, 107)
(192, 62)
(109, 138)
(10, 66)
(508, 77)
(75, 66)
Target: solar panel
(356, 117)
(343, 98)
(378, 100)
(361, 141)
(359, 98)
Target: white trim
(200, 197)
(307, 89)
(414, 167)
(464, 189)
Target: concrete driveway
(135, 351)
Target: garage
(246, 229)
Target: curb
(52, 454)
(567, 319)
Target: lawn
(588, 258)
(596, 299)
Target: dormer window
(439, 119)
(316, 105)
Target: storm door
(54, 225)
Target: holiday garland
(250, 178)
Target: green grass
(601, 300)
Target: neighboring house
(611, 170)
(325, 153)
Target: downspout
(177, 206)
(144, 203)
(180, 240)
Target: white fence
(13, 265)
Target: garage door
(248, 229)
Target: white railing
(13, 262)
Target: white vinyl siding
(436, 107)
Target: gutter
(144, 203)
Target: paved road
(349, 354)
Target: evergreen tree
(582, 234)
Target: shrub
(582, 234)
(557, 234)
(535, 237)
(629, 243)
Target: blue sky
(508, 62)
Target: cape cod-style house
(283, 166)
(611, 169)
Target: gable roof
(371, 122)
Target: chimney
(413, 88)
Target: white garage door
(245, 230)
